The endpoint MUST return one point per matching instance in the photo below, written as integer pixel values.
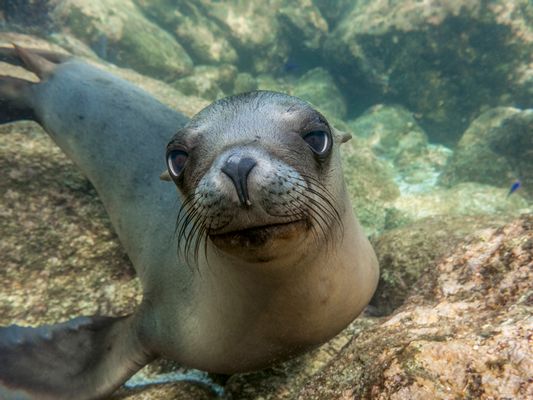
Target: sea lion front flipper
(11, 55)
(15, 103)
(84, 358)
(15, 93)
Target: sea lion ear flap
(165, 176)
(343, 137)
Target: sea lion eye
(176, 161)
(319, 141)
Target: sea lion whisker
(314, 221)
(326, 208)
(325, 222)
(187, 228)
(197, 223)
(320, 191)
(318, 218)
(190, 252)
(185, 209)
(185, 224)
(318, 186)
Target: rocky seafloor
(438, 96)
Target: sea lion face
(259, 177)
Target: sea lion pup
(263, 260)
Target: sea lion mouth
(259, 236)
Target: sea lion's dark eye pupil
(176, 161)
(319, 141)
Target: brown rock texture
(466, 333)
(405, 253)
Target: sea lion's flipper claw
(37, 64)
(10, 55)
(87, 357)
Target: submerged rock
(394, 135)
(318, 87)
(244, 82)
(118, 32)
(256, 36)
(60, 257)
(496, 149)
(370, 184)
(464, 333)
(443, 60)
(208, 82)
(204, 39)
(405, 253)
(392, 132)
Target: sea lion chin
(262, 243)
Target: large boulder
(318, 87)
(118, 32)
(394, 135)
(204, 39)
(496, 149)
(208, 82)
(257, 36)
(404, 253)
(443, 60)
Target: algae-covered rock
(277, 84)
(443, 60)
(496, 149)
(370, 184)
(303, 20)
(208, 82)
(60, 257)
(318, 87)
(244, 82)
(253, 29)
(464, 333)
(392, 132)
(394, 135)
(203, 38)
(119, 32)
(263, 33)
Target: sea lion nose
(237, 169)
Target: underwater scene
(431, 105)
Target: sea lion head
(259, 175)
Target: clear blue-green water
(409, 79)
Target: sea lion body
(280, 264)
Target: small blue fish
(290, 67)
(514, 187)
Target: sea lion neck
(280, 310)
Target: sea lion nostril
(237, 169)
